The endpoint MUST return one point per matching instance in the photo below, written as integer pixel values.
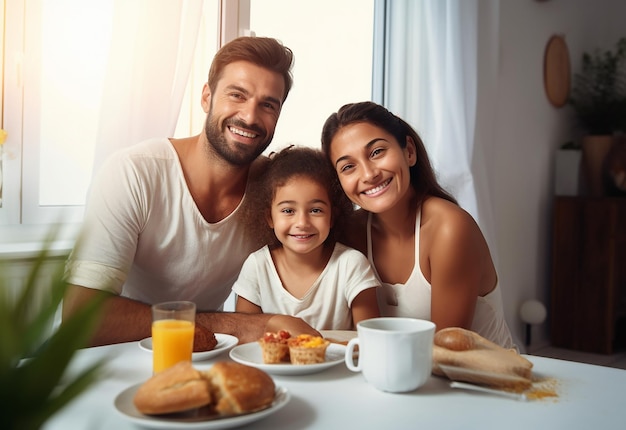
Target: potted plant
(34, 382)
(599, 91)
(598, 99)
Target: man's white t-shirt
(144, 238)
(327, 303)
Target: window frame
(12, 64)
(22, 220)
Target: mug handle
(350, 357)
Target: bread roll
(203, 339)
(466, 349)
(238, 388)
(176, 389)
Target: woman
(429, 254)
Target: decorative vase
(595, 150)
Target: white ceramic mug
(395, 354)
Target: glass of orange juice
(173, 325)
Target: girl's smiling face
(301, 215)
(373, 169)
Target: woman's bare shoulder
(444, 219)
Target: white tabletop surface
(589, 397)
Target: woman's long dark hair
(423, 177)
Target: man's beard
(239, 155)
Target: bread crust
(466, 349)
(238, 388)
(176, 389)
(229, 388)
(203, 339)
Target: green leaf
(44, 370)
(67, 394)
(34, 378)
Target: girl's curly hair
(292, 162)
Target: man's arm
(251, 327)
(126, 320)
(123, 319)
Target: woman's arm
(460, 268)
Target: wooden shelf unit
(588, 303)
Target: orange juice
(172, 341)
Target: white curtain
(149, 62)
(431, 80)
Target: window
(333, 60)
(55, 62)
(55, 55)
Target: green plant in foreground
(33, 362)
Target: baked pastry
(176, 389)
(203, 339)
(237, 388)
(228, 388)
(486, 362)
(307, 349)
(274, 347)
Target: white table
(589, 397)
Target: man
(161, 220)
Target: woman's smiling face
(373, 169)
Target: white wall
(527, 130)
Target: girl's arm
(365, 306)
(246, 306)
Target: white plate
(250, 354)
(224, 343)
(341, 336)
(201, 418)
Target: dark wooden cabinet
(588, 303)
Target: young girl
(303, 271)
(429, 254)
